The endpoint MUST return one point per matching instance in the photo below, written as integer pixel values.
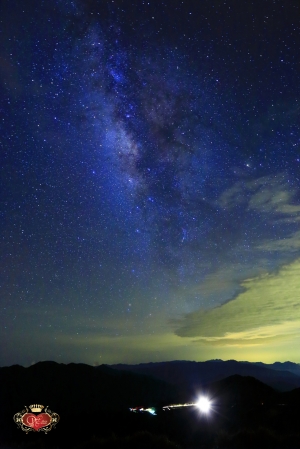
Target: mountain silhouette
(78, 387)
(93, 404)
(192, 375)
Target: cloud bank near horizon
(267, 310)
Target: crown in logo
(36, 407)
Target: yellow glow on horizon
(261, 324)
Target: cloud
(268, 308)
(267, 335)
(291, 244)
(217, 286)
(268, 194)
(234, 196)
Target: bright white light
(204, 405)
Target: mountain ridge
(180, 372)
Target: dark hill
(89, 400)
(78, 387)
(245, 391)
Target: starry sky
(150, 180)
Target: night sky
(150, 180)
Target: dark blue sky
(149, 180)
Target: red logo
(35, 420)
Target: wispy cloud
(268, 194)
(290, 244)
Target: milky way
(150, 168)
